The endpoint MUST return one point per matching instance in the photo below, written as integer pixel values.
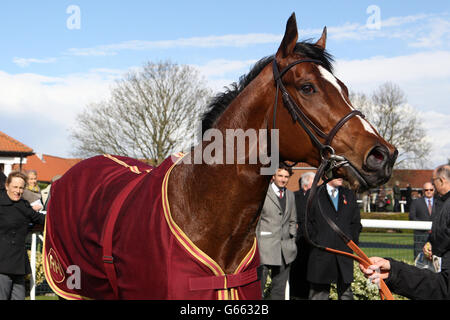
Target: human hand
(427, 251)
(37, 207)
(379, 269)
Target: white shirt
(277, 190)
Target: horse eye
(307, 89)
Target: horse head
(315, 107)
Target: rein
(330, 162)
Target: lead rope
(360, 256)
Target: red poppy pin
(345, 200)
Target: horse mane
(222, 100)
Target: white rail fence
(368, 204)
(34, 237)
(396, 224)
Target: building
(297, 171)
(48, 166)
(412, 176)
(13, 154)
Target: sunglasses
(428, 189)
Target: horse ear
(321, 43)
(290, 38)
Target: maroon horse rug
(109, 234)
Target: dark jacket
(423, 284)
(397, 193)
(419, 209)
(440, 231)
(323, 267)
(2, 180)
(300, 205)
(15, 218)
(299, 286)
(418, 284)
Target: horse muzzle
(378, 165)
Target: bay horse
(117, 228)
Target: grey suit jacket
(276, 230)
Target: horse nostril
(376, 158)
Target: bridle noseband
(330, 161)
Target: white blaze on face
(328, 76)
(367, 126)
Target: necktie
(334, 198)
(281, 193)
(429, 207)
(333, 193)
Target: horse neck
(222, 202)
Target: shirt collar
(276, 189)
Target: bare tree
(397, 122)
(150, 114)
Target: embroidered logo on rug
(56, 269)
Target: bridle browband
(330, 162)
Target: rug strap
(108, 232)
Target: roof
(416, 178)
(48, 166)
(11, 145)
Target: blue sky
(50, 71)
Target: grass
(383, 245)
(45, 297)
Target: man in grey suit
(276, 231)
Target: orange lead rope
(360, 256)
(363, 259)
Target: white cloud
(230, 40)
(399, 21)
(437, 35)
(220, 67)
(347, 31)
(422, 67)
(421, 30)
(56, 98)
(436, 125)
(25, 62)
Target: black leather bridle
(329, 162)
(326, 151)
